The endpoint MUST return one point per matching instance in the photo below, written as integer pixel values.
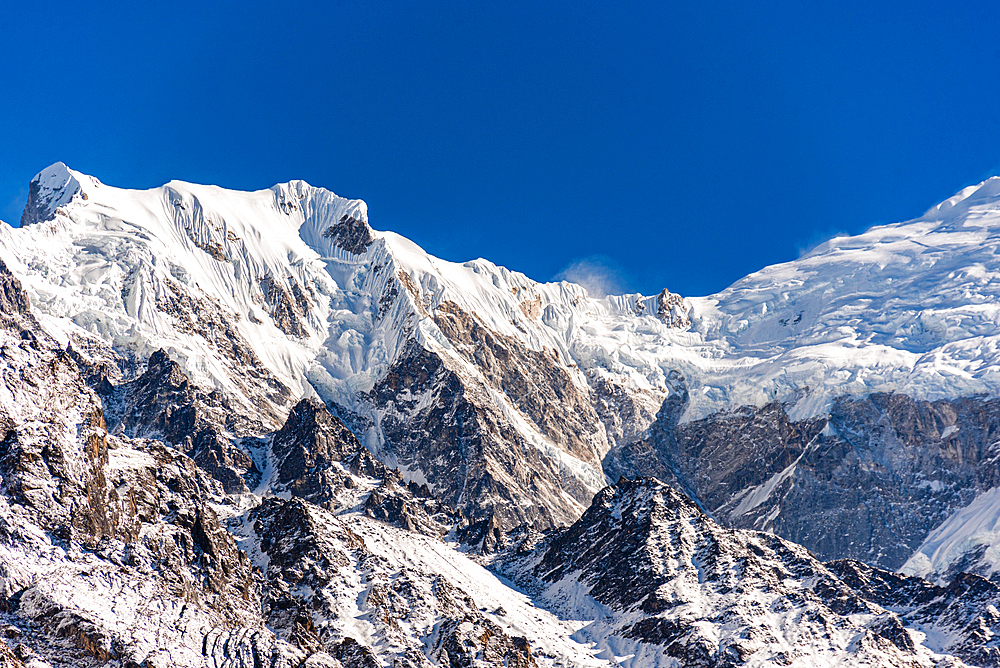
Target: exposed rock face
(536, 383)
(106, 540)
(642, 457)
(452, 414)
(410, 506)
(304, 547)
(678, 583)
(474, 640)
(288, 308)
(305, 449)
(56, 471)
(311, 439)
(203, 317)
(162, 403)
(318, 459)
(450, 429)
(672, 310)
(869, 481)
(964, 613)
(351, 234)
(625, 414)
(14, 301)
(318, 566)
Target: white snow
(554, 637)
(977, 526)
(910, 307)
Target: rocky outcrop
(311, 439)
(351, 234)
(14, 300)
(449, 428)
(963, 614)
(162, 403)
(677, 582)
(410, 506)
(536, 383)
(474, 640)
(289, 308)
(672, 310)
(304, 546)
(50, 189)
(868, 481)
(317, 566)
(307, 448)
(318, 459)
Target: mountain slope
(666, 585)
(246, 429)
(510, 397)
(269, 296)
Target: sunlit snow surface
(909, 307)
(971, 531)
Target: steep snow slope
(969, 541)
(275, 294)
(909, 307)
(271, 295)
(149, 269)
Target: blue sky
(678, 145)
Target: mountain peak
(966, 198)
(51, 188)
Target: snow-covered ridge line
(292, 289)
(769, 334)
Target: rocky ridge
(300, 439)
(869, 480)
(160, 567)
(663, 581)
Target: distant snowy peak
(910, 307)
(292, 290)
(272, 295)
(216, 277)
(51, 188)
(985, 194)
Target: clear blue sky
(686, 144)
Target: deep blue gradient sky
(684, 144)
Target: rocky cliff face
(448, 427)
(868, 481)
(162, 403)
(676, 588)
(112, 551)
(247, 429)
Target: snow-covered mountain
(273, 295)
(254, 420)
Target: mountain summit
(330, 443)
